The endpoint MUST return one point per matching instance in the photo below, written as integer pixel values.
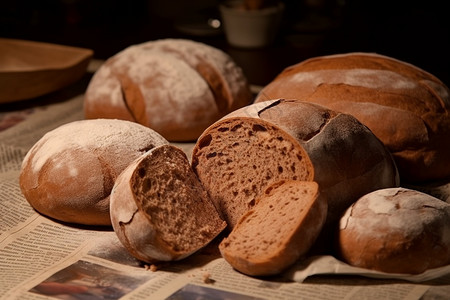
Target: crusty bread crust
(278, 230)
(159, 209)
(174, 86)
(396, 230)
(69, 173)
(407, 108)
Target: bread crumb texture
(174, 200)
(237, 158)
(280, 228)
(178, 217)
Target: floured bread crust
(69, 173)
(159, 209)
(407, 108)
(396, 230)
(174, 86)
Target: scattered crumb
(151, 267)
(207, 278)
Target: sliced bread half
(159, 209)
(239, 156)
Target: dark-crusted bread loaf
(407, 108)
(69, 173)
(159, 209)
(239, 156)
(278, 230)
(177, 87)
(396, 230)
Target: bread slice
(159, 209)
(278, 230)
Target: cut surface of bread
(278, 230)
(239, 157)
(160, 210)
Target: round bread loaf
(238, 156)
(396, 230)
(69, 173)
(176, 87)
(281, 227)
(407, 108)
(159, 209)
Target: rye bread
(237, 157)
(407, 108)
(159, 209)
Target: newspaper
(44, 259)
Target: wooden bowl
(30, 69)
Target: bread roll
(69, 173)
(176, 87)
(278, 230)
(237, 157)
(407, 108)
(159, 209)
(396, 230)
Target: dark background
(413, 31)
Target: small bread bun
(176, 87)
(396, 230)
(407, 108)
(278, 230)
(238, 156)
(69, 173)
(159, 209)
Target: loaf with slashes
(176, 87)
(407, 108)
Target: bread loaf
(407, 108)
(176, 87)
(396, 230)
(238, 156)
(159, 209)
(278, 230)
(69, 173)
